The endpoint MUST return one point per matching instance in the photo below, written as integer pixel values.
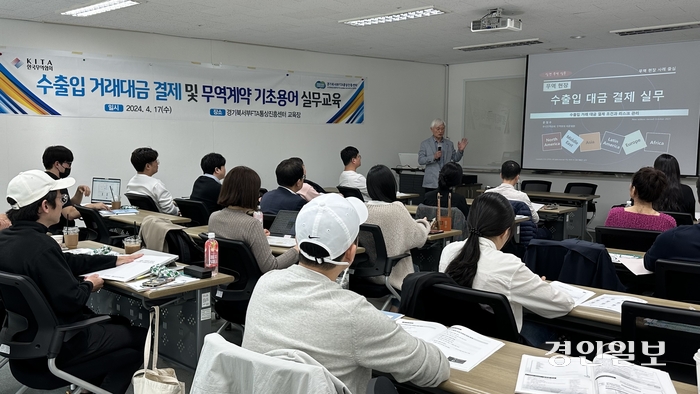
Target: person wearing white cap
(303, 308)
(25, 249)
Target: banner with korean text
(51, 83)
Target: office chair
(679, 329)
(235, 259)
(526, 230)
(677, 280)
(374, 263)
(535, 186)
(350, 192)
(682, 218)
(459, 222)
(98, 227)
(583, 188)
(195, 210)
(438, 302)
(31, 331)
(573, 261)
(181, 244)
(625, 238)
(143, 202)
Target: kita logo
(320, 85)
(17, 63)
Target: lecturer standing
(437, 151)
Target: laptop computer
(105, 190)
(282, 229)
(409, 160)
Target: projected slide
(613, 110)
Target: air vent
(656, 29)
(505, 44)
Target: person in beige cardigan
(401, 232)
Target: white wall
(612, 189)
(401, 98)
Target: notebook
(105, 190)
(409, 160)
(282, 229)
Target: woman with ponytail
(479, 263)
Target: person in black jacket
(450, 177)
(25, 249)
(208, 186)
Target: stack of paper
(611, 302)
(577, 294)
(138, 267)
(464, 348)
(127, 211)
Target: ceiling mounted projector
(494, 21)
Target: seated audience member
(680, 243)
(510, 174)
(401, 233)
(350, 177)
(239, 194)
(145, 162)
(647, 185)
(115, 346)
(290, 178)
(208, 186)
(338, 328)
(309, 190)
(677, 197)
(449, 178)
(479, 263)
(58, 162)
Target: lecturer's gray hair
(437, 122)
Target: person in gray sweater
(239, 194)
(303, 308)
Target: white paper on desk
(399, 194)
(635, 265)
(611, 302)
(537, 206)
(464, 348)
(617, 258)
(536, 376)
(136, 268)
(577, 294)
(88, 251)
(119, 212)
(180, 280)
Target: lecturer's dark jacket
(206, 190)
(281, 199)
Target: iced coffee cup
(70, 237)
(116, 204)
(132, 245)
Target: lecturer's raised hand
(128, 258)
(462, 144)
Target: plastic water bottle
(211, 254)
(257, 214)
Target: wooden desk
(185, 318)
(499, 373)
(194, 232)
(142, 214)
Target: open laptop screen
(105, 190)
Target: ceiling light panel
(99, 8)
(393, 17)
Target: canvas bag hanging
(154, 380)
(444, 222)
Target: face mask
(65, 173)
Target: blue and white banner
(51, 83)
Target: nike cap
(330, 222)
(30, 186)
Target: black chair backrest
(315, 185)
(181, 244)
(677, 280)
(536, 186)
(93, 221)
(29, 327)
(195, 210)
(268, 219)
(444, 299)
(236, 259)
(376, 262)
(141, 201)
(350, 192)
(625, 238)
(582, 188)
(682, 218)
(679, 329)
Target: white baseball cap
(331, 222)
(30, 186)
